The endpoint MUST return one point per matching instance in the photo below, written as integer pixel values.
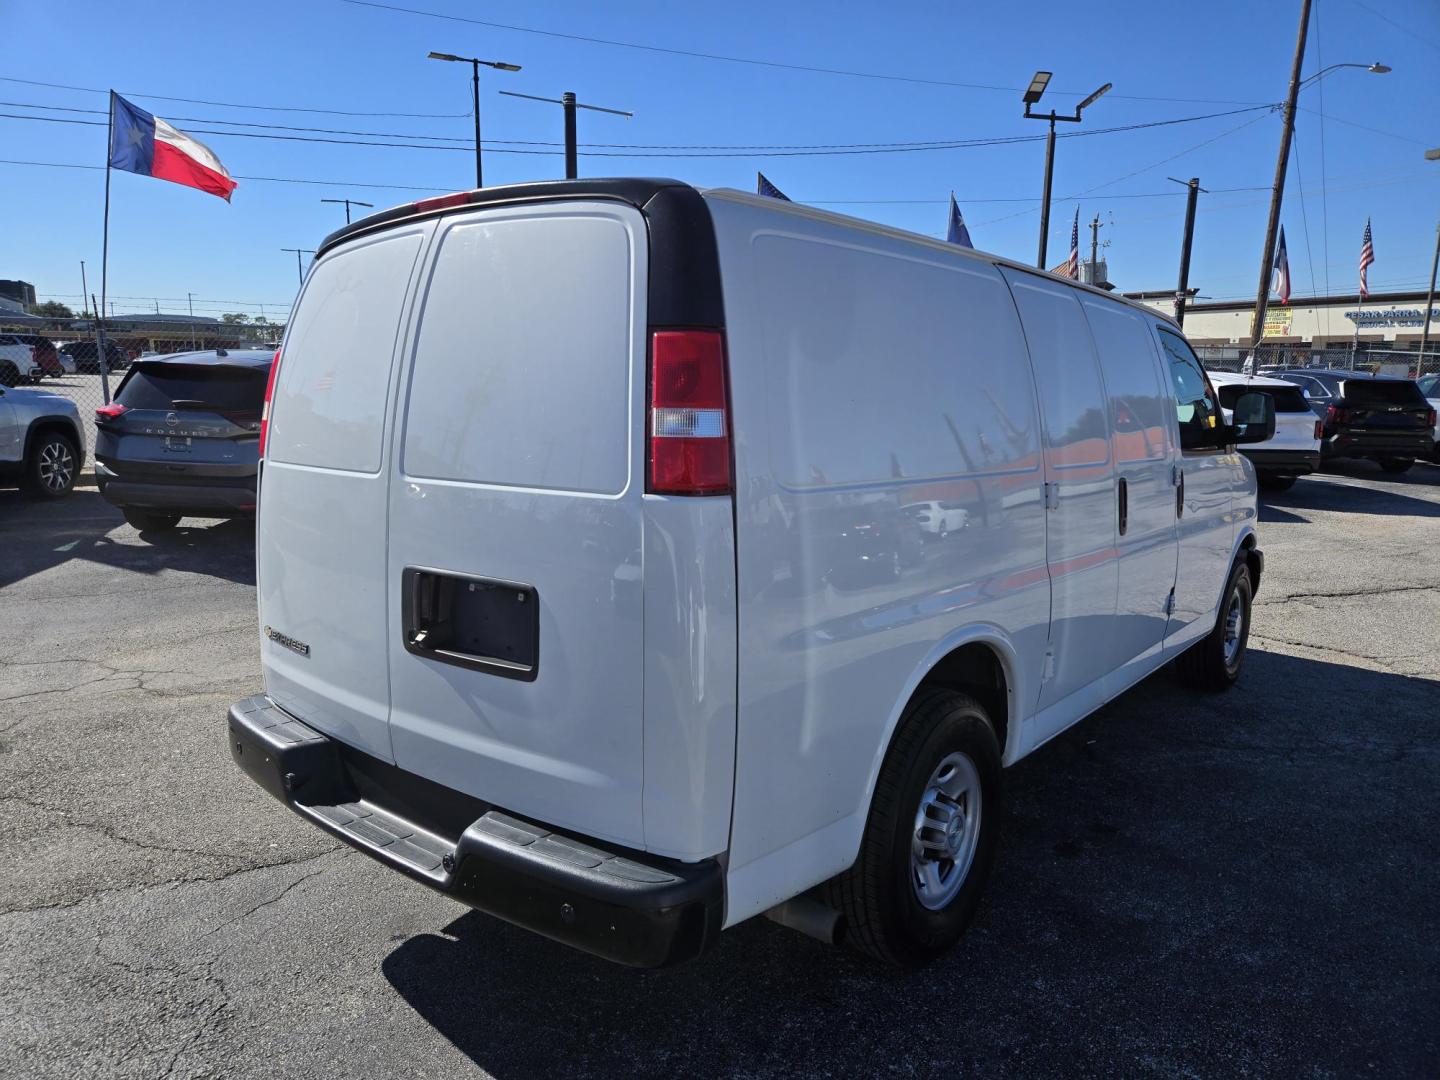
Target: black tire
(1205, 665)
(51, 465)
(878, 895)
(1271, 482)
(1396, 465)
(149, 521)
(9, 375)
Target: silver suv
(40, 441)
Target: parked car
(86, 356)
(18, 363)
(535, 464)
(1384, 420)
(939, 519)
(1430, 387)
(41, 444)
(1295, 449)
(180, 439)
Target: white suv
(559, 484)
(1294, 450)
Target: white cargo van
(591, 594)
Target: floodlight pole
(1032, 96)
(475, 65)
(570, 105)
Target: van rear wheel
(929, 842)
(1214, 663)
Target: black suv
(86, 356)
(182, 437)
(1367, 416)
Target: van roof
(641, 192)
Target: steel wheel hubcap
(56, 465)
(1234, 624)
(947, 831)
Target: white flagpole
(103, 359)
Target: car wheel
(1396, 465)
(1214, 662)
(9, 375)
(1271, 482)
(51, 467)
(149, 521)
(944, 532)
(929, 842)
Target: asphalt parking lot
(1191, 886)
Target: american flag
(1367, 257)
(1072, 265)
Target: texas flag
(144, 144)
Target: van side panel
(689, 674)
(520, 460)
(869, 375)
(320, 555)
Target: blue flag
(958, 233)
(769, 190)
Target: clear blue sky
(328, 54)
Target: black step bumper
(1288, 462)
(628, 907)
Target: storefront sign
(1277, 322)
(1388, 317)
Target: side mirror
(1254, 418)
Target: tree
(234, 318)
(52, 309)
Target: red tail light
(1319, 429)
(1430, 418)
(269, 393)
(689, 419)
(109, 412)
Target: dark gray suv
(181, 438)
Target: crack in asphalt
(1304, 596)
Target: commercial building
(1387, 327)
(20, 292)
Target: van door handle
(1123, 497)
(1179, 492)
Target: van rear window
(1287, 400)
(329, 405)
(193, 386)
(1382, 392)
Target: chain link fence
(1401, 363)
(63, 357)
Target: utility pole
(190, 298)
(1429, 305)
(1182, 288)
(349, 203)
(1094, 248)
(299, 265)
(1287, 131)
(84, 289)
(569, 104)
(1032, 96)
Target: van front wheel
(929, 843)
(1214, 662)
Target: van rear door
(321, 533)
(514, 566)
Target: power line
(1304, 215)
(266, 179)
(694, 54)
(1398, 26)
(1365, 127)
(236, 105)
(623, 152)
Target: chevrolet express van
(590, 589)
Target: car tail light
(110, 412)
(689, 422)
(269, 393)
(1319, 429)
(1430, 418)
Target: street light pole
(1031, 96)
(569, 104)
(1430, 155)
(299, 263)
(475, 65)
(349, 203)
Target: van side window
(1195, 406)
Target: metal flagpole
(102, 359)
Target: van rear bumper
(628, 907)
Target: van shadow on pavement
(37, 535)
(1361, 498)
(1212, 885)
